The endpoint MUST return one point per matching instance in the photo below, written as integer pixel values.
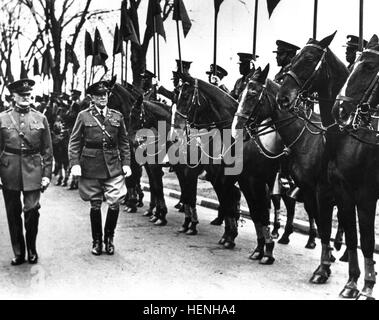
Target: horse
(204, 106)
(316, 69)
(122, 99)
(303, 143)
(353, 169)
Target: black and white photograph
(189, 155)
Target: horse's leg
(290, 204)
(275, 199)
(338, 239)
(366, 215)
(161, 210)
(149, 212)
(325, 206)
(310, 206)
(179, 171)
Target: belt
(101, 146)
(20, 152)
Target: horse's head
(361, 89)
(254, 105)
(308, 69)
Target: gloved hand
(45, 183)
(215, 80)
(76, 170)
(127, 171)
(155, 82)
(1, 184)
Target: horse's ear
(328, 40)
(112, 82)
(374, 41)
(263, 76)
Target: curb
(298, 225)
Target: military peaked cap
(21, 86)
(220, 72)
(148, 75)
(246, 57)
(186, 64)
(353, 42)
(76, 93)
(98, 88)
(284, 46)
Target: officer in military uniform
(352, 46)
(173, 95)
(25, 167)
(99, 154)
(246, 68)
(285, 52)
(216, 79)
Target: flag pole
(122, 67)
(126, 61)
(255, 29)
(360, 25)
(180, 52)
(315, 19)
(155, 45)
(73, 78)
(158, 59)
(85, 75)
(114, 57)
(215, 44)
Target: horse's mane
(219, 96)
(160, 109)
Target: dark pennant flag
(180, 14)
(271, 5)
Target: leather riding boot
(31, 227)
(97, 233)
(132, 200)
(140, 196)
(65, 180)
(110, 226)
(194, 222)
(59, 181)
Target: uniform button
(22, 124)
(22, 114)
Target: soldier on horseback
(246, 67)
(284, 54)
(216, 79)
(352, 46)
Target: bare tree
(10, 31)
(54, 19)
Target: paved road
(155, 262)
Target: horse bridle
(195, 103)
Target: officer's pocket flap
(114, 123)
(89, 153)
(36, 126)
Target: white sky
(292, 21)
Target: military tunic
(239, 87)
(22, 166)
(100, 156)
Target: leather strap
(20, 133)
(102, 127)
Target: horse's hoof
(256, 255)
(161, 222)
(148, 214)
(229, 245)
(140, 204)
(362, 296)
(191, 232)
(267, 260)
(349, 293)
(318, 279)
(131, 210)
(222, 241)
(275, 234)
(284, 240)
(153, 219)
(332, 258)
(310, 245)
(183, 230)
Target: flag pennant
(47, 63)
(24, 72)
(154, 23)
(71, 57)
(88, 45)
(217, 5)
(271, 5)
(36, 67)
(180, 14)
(117, 41)
(127, 30)
(99, 52)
